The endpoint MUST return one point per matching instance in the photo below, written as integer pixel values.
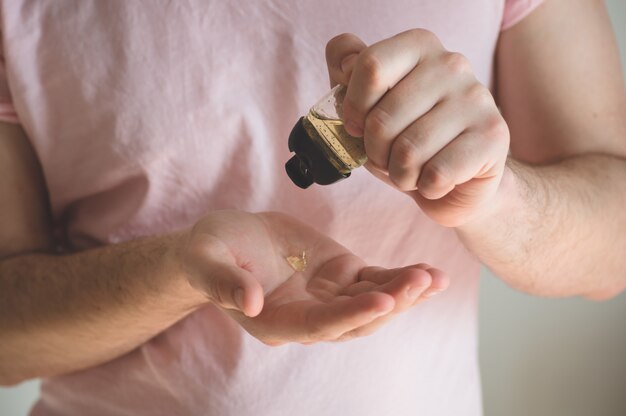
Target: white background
(538, 356)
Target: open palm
(325, 294)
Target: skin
(337, 297)
(62, 313)
(567, 165)
(548, 219)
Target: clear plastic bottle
(324, 152)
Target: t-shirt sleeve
(516, 10)
(7, 111)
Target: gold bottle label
(346, 152)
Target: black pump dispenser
(324, 152)
(309, 165)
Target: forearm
(64, 313)
(557, 230)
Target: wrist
(177, 275)
(506, 199)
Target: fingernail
(431, 292)
(239, 298)
(354, 129)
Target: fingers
(405, 285)
(365, 306)
(452, 210)
(458, 163)
(378, 69)
(380, 275)
(412, 97)
(310, 321)
(457, 140)
(409, 287)
(329, 322)
(359, 287)
(422, 140)
(429, 126)
(341, 55)
(423, 113)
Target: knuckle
(434, 176)
(496, 128)
(479, 95)
(456, 63)
(404, 153)
(404, 165)
(376, 123)
(371, 68)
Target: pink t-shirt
(146, 115)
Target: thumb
(341, 54)
(231, 287)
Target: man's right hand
(235, 257)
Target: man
(148, 120)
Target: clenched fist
(431, 129)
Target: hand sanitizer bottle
(324, 152)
